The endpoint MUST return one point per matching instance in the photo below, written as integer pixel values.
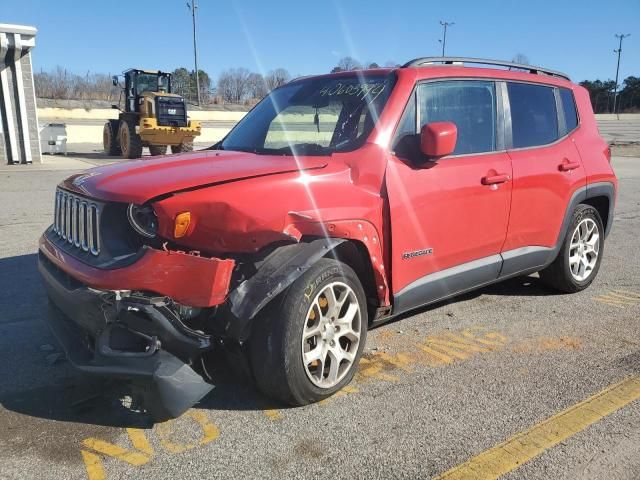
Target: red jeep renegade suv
(338, 202)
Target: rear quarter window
(569, 108)
(534, 118)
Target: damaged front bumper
(136, 337)
(188, 279)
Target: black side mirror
(114, 80)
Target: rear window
(534, 118)
(569, 108)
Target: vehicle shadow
(53, 390)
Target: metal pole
(193, 6)
(615, 91)
(444, 36)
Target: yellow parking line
(633, 295)
(273, 414)
(95, 470)
(141, 454)
(524, 446)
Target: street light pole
(193, 6)
(615, 92)
(444, 36)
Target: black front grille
(94, 232)
(77, 220)
(172, 112)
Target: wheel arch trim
(591, 190)
(607, 190)
(274, 276)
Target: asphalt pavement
(513, 378)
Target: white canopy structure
(19, 137)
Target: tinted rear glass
(534, 119)
(569, 107)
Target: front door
(449, 217)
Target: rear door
(546, 171)
(449, 217)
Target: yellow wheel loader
(152, 117)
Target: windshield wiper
(295, 149)
(302, 149)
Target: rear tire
(130, 141)
(307, 343)
(156, 150)
(110, 138)
(579, 258)
(183, 147)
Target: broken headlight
(143, 219)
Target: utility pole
(444, 36)
(193, 6)
(622, 36)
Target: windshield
(314, 116)
(148, 82)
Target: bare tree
(60, 86)
(276, 78)
(520, 58)
(224, 87)
(257, 86)
(346, 64)
(233, 85)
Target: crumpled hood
(137, 181)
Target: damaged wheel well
(283, 266)
(354, 253)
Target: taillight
(607, 153)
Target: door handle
(494, 179)
(568, 166)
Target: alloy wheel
(331, 335)
(583, 250)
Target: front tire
(579, 258)
(130, 141)
(183, 147)
(308, 342)
(156, 150)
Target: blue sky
(307, 37)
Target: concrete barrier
(623, 131)
(85, 125)
(631, 117)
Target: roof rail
(419, 62)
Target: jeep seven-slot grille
(77, 221)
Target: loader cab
(137, 82)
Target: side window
(569, 108)
(534, 119)
(470, 104)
